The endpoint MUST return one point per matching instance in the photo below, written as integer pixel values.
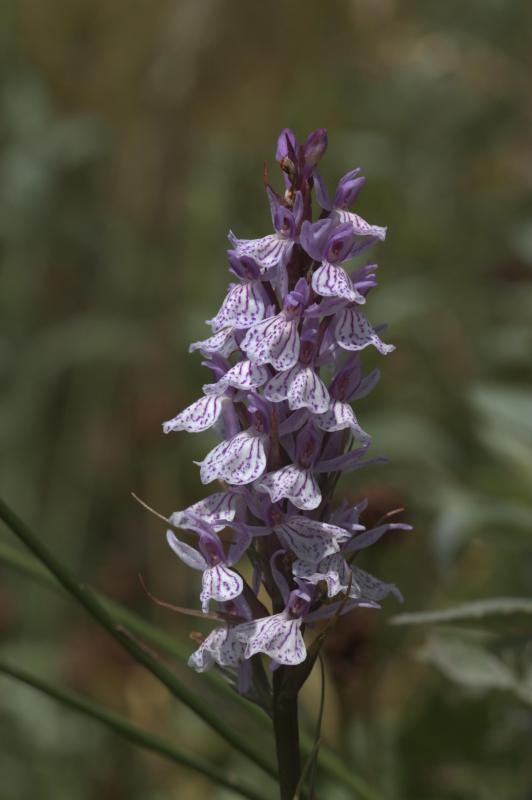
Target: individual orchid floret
(352, 331)
(239, 460)
(222, 343)
(275, 249)
(276, 340)
(346, 193)
(245, 303)
(331, 245)
(278, 636)
(339, 577)
(296, 482)
(245, 375)
(200, 416)
(301, 385)
(217, 510)
(219, 582)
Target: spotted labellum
(285, 352)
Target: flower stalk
(285, 354)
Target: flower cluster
(285, 357)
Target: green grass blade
(130, 731)
(100, 613)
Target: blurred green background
(132, 137)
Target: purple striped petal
(222, 342)
(310, 539)
(220, 583)
(220, 647)
(277, 636)
(307, 390)
(353, 332)
(366, 539)
(273, 341)
(187, 554)
(268, 252)
(277, 387)
(330, 280)
(332, 570)
(244, 305)
(366, 587)
(244, 375)
(359, 225)
(199, 416)
(217, 510)
(340, 416)
(238, 461)
(296, 484)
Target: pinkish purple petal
(332, 570)
(277, 387)
(187, 554)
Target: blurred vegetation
(132, 136)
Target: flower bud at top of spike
(348, 189)
(286, 146)
(296, 300)
(314, 148)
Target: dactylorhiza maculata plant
(285, 354)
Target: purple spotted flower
(285, 353)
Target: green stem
(130, 732)
(286, 729)
(99, 612)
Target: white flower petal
(294, 483)
(273, 341)
(359, 225)
(333, 281)
(217, 509)
(238, 461)
(277, 387)
(199, 416)
(222, 342)
(332, 570)
(353, 332)
(268, 252)
(244, 375)
(307, 390)
(244, 306)
(220, 647)
(219, 583)
(366, 587)
(310, 539)
(277, 636)
(338, 417)
(187, 554)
